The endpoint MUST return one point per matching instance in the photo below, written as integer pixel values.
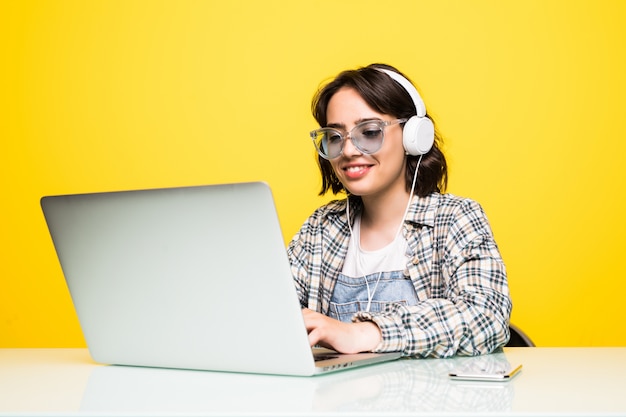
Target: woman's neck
(381, 219)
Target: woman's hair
(385, 96)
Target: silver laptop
(190, 278)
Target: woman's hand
(339, 336)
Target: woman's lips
(356, 171)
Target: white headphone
(419, 132)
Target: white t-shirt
(360, 262)
(371, 279)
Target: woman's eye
(334, 138)
(371, 133)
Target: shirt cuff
(391, 336)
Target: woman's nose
(348, 147)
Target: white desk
(554, 381)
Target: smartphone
(477, 371)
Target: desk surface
(554, 381)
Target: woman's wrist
(369, 335)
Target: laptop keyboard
(324, 356)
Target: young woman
(397, 265)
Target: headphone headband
(418, 134)
(410, 88)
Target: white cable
(370, 296)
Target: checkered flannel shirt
(455, 266)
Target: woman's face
(368, 176)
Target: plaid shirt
(455, 266)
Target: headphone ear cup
(418, 135)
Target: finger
(313, 319)
(308, 320)
(314, 336)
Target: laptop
(189, 278)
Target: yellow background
(108, 95)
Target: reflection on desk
(399, 386)
(560, 381)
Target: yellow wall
(123, 94)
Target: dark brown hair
(385, 96)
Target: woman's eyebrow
(343, 126)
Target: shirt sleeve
(295, 252)
(472, 316)
(305, 257)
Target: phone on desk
(481, 370)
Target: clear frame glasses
(367, 137)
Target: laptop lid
(190, 277)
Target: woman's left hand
(340, 336)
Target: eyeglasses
(367, 137)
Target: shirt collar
(422, 210)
